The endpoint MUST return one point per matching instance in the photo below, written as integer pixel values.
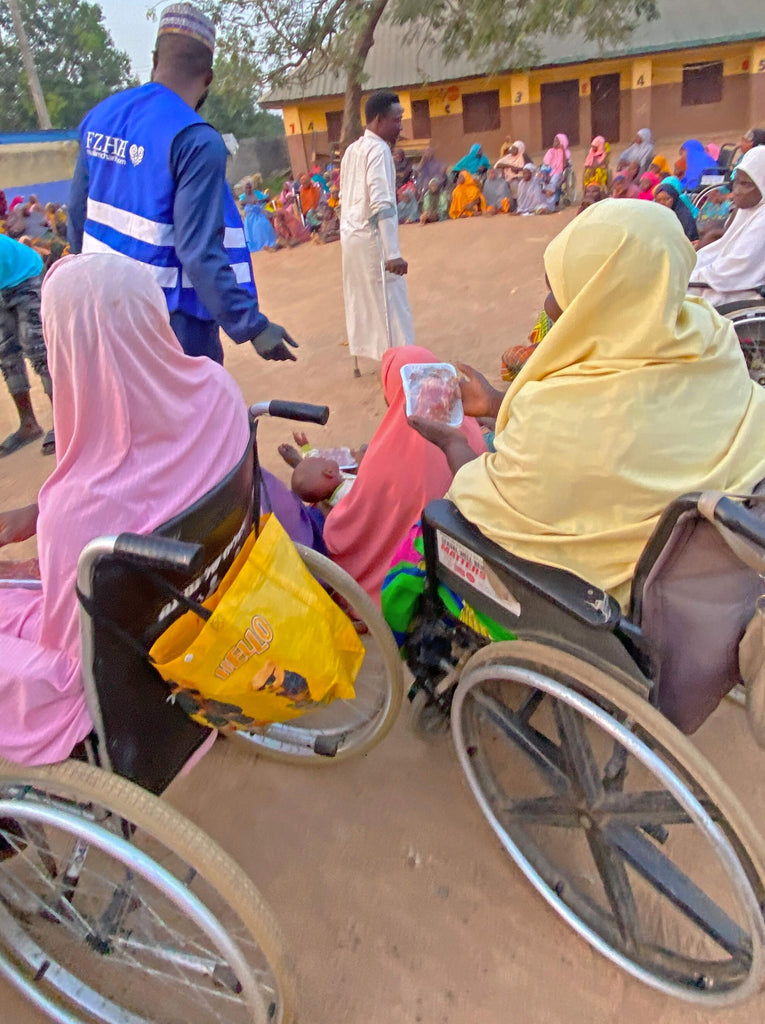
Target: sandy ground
(396, 901)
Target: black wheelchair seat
(527, 598)
(141, 735)
(587, 603)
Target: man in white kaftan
(377, 313)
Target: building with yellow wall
(698, 70)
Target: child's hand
(300, 438)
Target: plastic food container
(342, 456)
(432, 391)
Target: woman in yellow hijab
(638, 394)
(467, 198)
(660, 165)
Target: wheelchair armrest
(586, 602)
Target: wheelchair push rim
(116, 909)
(619, 889)
(345, 728)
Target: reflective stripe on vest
(127, 140)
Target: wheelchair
(568, 194)
(748, 318)
(565, 736)
(113, 906)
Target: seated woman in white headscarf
(511, 164)
(530, 198)
(640, 151)
(733, 267)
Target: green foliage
(510, 33)
(231, 105)
(77, 63)
(283, 36)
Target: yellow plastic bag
(275, 646)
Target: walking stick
(376, 231)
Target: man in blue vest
(150, 184)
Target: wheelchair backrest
(147, 739)
(528, 599)
(693, 598)
(727, 155)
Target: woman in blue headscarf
(473, 162)
(697, 160)
(258, 230)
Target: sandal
(49, 444)
(14, 441)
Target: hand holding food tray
(433, 391)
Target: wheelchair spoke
(555, 811)
(683, 893)
(542, 751)
(578, 754)
(621, 898)
(649, 808)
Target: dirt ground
(395, 899)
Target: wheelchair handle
(159, 552)
(740, 520)
(303, 412)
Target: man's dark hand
(398, 266)
(270, 343)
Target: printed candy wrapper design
(276, 645)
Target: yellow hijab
(637, 395)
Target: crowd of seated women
(429, 191)
(42, 228)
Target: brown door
(420, 119)
(334, 125)
(605, 107)
(560, 111)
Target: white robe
(368, 190)
(733, 267)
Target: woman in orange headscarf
(467, 198)
(400, 473)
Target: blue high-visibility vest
(127, 140)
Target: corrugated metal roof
(395, 61)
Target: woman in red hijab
(400, 473)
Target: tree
(231, 105)
(300, 38)
(77, 62)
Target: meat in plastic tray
(432, 390)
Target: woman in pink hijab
(596, 163)
(399, 474)
(142, 432)
(558, 155)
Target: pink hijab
(597, 151)
(401, 472)
(556, 159)
(714, 150)
(142, 431)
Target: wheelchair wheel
(616, 819)
(343, 728)
(749, 324)
(114, 908)
(568, 195)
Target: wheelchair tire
(345, 728)
(552, 749)
(114, 907)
